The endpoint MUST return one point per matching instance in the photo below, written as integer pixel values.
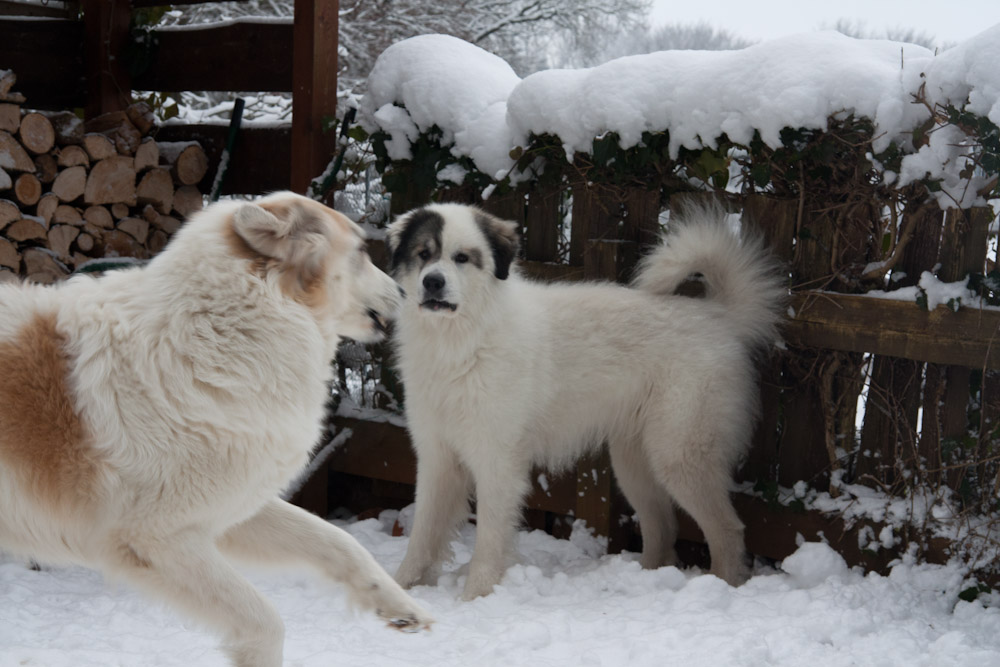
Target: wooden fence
(927, 381)
(82, 63)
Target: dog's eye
(461, 258)
(424, 254)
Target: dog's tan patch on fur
(241, 249)
(307, 284)
(131, 557)
(42, 438)
(304, 287)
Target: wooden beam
(856, 323)
(106, 24)
(382, 452)
(314, 89)
(245, 55)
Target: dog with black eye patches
(502, 374)
(150, 418)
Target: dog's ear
(504, 239)
(420, 223)
(289, 233)
(394, 239)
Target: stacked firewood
(71, 191)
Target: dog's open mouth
(381, 324)
(435, 305)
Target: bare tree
(634, 41)
(859, 30)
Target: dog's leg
(281, 532)
(442, 504)
(190, 573)
(651, 502)
(500, 489)
(703, 492)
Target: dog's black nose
(433, 283)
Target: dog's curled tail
(738, 269)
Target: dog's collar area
(435, 305)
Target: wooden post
(642, 216)
(595, 216)
(542, 225)
(507, 206)
(963, 250)
(890, 426)
(314, 89)
(411, 196)
(775, 219)
(802, 453)
(598, 500)
(106, 26)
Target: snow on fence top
(444, 81)
(484, 110)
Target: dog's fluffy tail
(738, 270)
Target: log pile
(71, 191)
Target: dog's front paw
(405, 615)
(484, 574)
(409, 575)
(413, 622)
(396, 607)
(477, 588)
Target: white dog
(149, 418)
(502, 374)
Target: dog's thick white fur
(502, 374)
(150, 418)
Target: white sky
(946, 22)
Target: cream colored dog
(503, 374)
(149, 418)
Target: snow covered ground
(566, 604)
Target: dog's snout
(433, 283)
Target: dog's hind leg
(190, 573)
(651, 502)
(281, 532)
(442, 504)
(702, 490)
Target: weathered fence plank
(541, 241)
(889, 433)
(245, 56)
(857, 323)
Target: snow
(443, 81)
(566, 603)
(797, 81)
(937, 293)
(484, 110)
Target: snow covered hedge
(459, 115)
